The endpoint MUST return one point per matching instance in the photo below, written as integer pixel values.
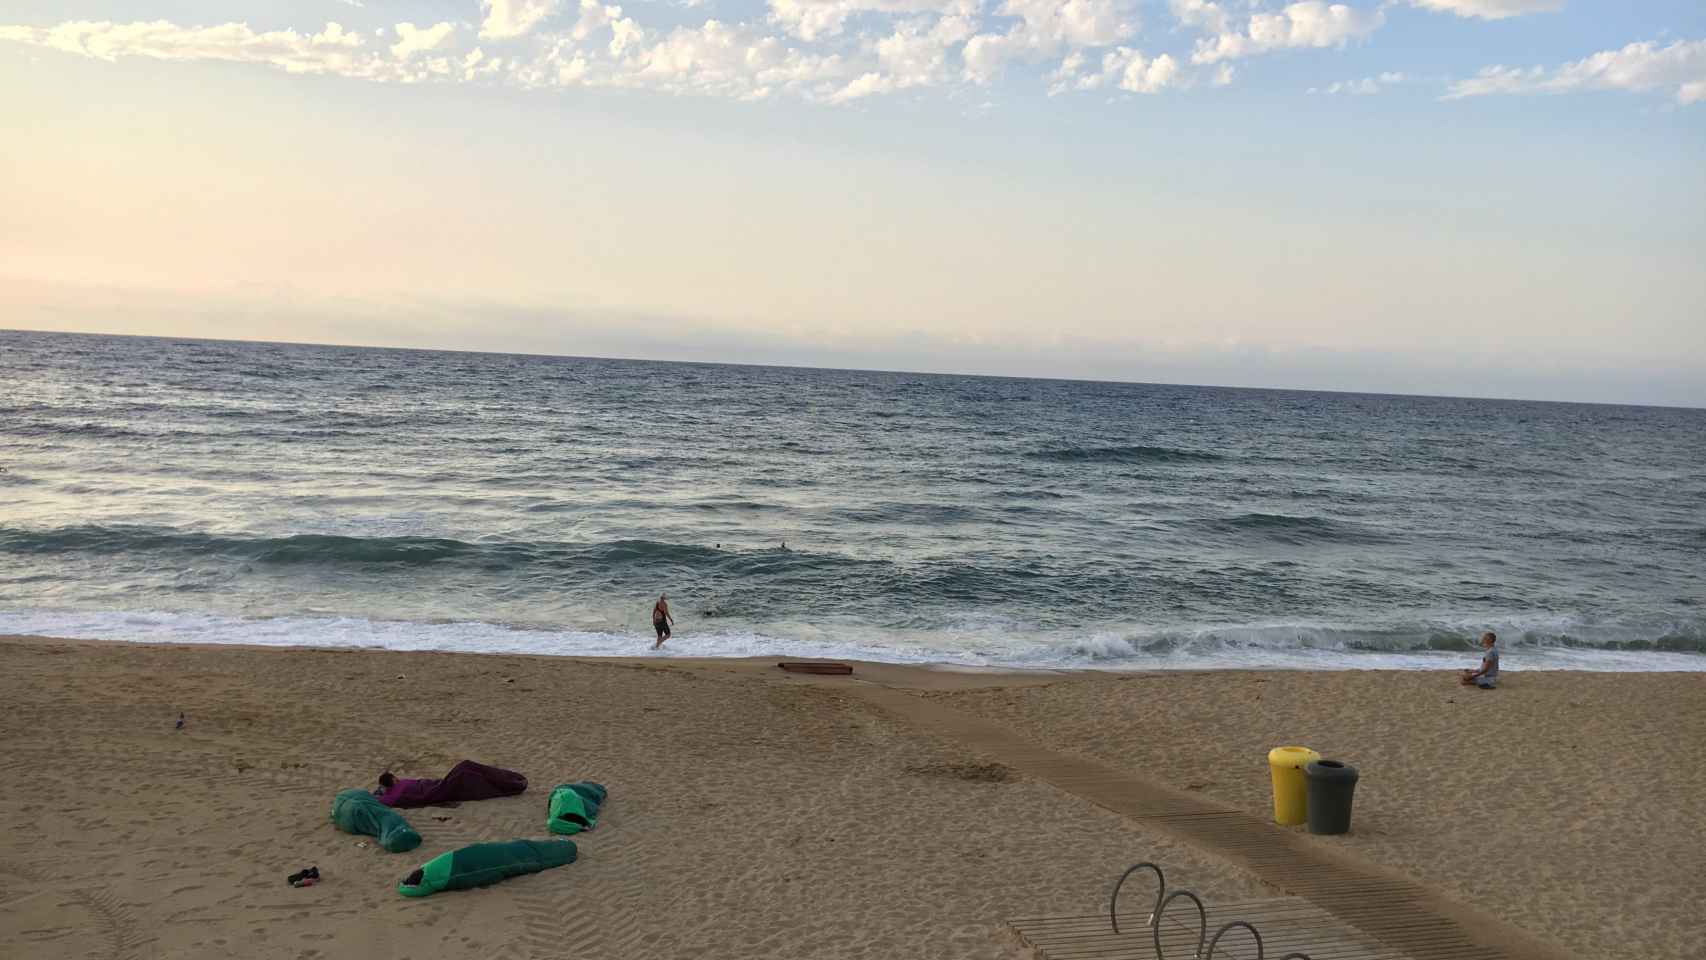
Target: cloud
(333, 50)
(1678, 69)
(715, 58)
(606, 48)
(800, 48)
(1306, 24)
(812, 20)
(412, 40)
(1367, 86)
(1491, 9)
(1204, 15)
(513, 18)
(476, 65)
(1135, 73)
(1074, 23)
(911, 56)
(1121, 68)
(986, 55)
(1044, 28)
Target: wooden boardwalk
(1401, 917)
(1287, 924)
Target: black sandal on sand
(306, 873)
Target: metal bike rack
(1202, 922)
(1294, 927)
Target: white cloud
(747, 61)
(714, 58)
(1204, 15)
(1135, 73)
(1122, 68)
(625, 33)
(921, 44)
(1066, 75)
(1306, 24)
(728, 59)
(912, 56)
(604, 48)
(1367, 86)
(812, 20)
(986, 54)
(1046, 27)
(1075, 23)
(476, 65)
(332, 50)
(412, 40)
(1678, 69)
(594, 16)
(513, 18)
(865, 85)
(1492, 9)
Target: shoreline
(1304, 660)
(907, 675)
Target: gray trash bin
(1331, 785)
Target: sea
(203, 491)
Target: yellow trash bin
(1291, 787)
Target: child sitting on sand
(1487, 677)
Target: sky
(1469, 197)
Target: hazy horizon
(1496, 198)
(829, 367)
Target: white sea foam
(1248, 647)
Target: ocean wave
(338, 549)
(1296, 531)
(93, 430)
(906, 513)
(300, 548)
(1538, 637)
(43, 430)
(732, 505)
(1123, 455)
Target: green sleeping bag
(481, 864)
(574, 806)
(357, 811)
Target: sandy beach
(756, 814)
(1570, 804)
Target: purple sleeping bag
(465, 781)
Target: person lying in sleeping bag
(357, 811)
(574, 806)
(481, 864)
(465, 781)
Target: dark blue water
(218, 491)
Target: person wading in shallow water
(661, 620)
